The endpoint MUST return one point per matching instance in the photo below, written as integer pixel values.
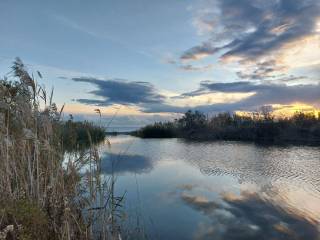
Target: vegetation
(80, 135)
(47, 193)
(24, 220)
(260, 126)
(158, 130)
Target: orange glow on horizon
(279, 110)
(284, 111)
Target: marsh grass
(45, 195)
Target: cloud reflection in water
(248, 216)
(123, 163)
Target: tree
(192, 120)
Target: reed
(45, 192)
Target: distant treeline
(301, 127)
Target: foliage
(158, 130)
(80, 135)
(261, 126)
(192, 120)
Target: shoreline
(269, 142)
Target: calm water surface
(217, 190)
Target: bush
(261, 127)
(158, 130)
(81, 135)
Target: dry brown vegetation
(43, 193)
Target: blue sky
(157, 59)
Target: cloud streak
(265, 94)
(146, 97)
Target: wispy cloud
(189, 67)
(200, 51)
(88, 30)
(193, 68)
(76, 26)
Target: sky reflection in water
(220, 190)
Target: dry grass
(37, 182)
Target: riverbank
(301, 128)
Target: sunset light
(160, 120)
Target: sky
(148, 60)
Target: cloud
(86, 28)
(275, 93)
(74, 25)
(265, 94)
(259, 35)
(199, 52)
(253, 28)
(262, 70)
(291, 78)
(254, 95)
(189, 67)
(116, 91)
(192, 68)
(232, 87)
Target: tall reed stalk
(43, 193)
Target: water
(122, 129)
(217, 190)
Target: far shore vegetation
(259, 127)
(81, 135)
